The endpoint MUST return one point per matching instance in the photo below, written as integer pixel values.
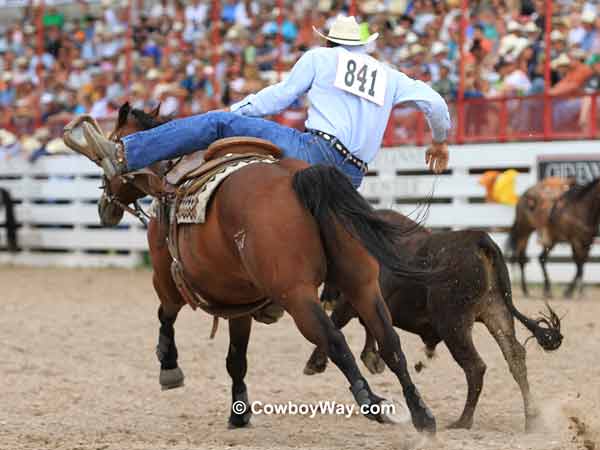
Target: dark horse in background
(278, 231)
(572, 217)
(10, 220)
(476, 289)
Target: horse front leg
(239, 334)
(171, 302)
(171, 376)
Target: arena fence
(59, 223)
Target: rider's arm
(277, 97)
(427, 100)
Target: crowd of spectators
(191, 59)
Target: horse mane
(146, 120)
(577, 192)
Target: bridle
(137, 210)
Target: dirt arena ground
(78, 371)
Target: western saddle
(170, 183)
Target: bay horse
(278, 231)
(532, 213)
(574, 218)
(572, 215)
(477, 289)
(10, 220)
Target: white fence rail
(57, 210)
(57, 203)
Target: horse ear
(123, 113)
(155, 111)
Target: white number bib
(361, 76)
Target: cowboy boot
(111, 154)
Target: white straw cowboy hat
(346, 31)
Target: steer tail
(545, 329)
(331, 199)
(11, 221)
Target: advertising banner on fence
(584, 168)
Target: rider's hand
(436, 157)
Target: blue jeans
(182, 136)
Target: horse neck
(587, 207)
(595, 206)
(148, 182)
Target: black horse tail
(11, 221)
(545, 329)
(331, 199)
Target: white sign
(361, 76)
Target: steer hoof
(171, 378)
(316, 364)
(373, 362)
(462, 424)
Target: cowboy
(351, 96)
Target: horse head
(124, 190)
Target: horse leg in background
(580, 255)
(543, 258)
(370, 355)
(499, 321)
(239, 334)
(367, 300)
(312, 321)
(342, 314)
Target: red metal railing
(500, 119)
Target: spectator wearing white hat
(558, 43)
(9, 145)
(444, 84)
(588, 19)
(78, 77)
(439, 53)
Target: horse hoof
(393, 413)
(373, 362)
(239, 421)
(171, 378)
(426, 422)
(422, 417)
(240, 411)
(316, 364)
(461, 425)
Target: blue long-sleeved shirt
(357, 122)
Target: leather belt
(342, 150)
